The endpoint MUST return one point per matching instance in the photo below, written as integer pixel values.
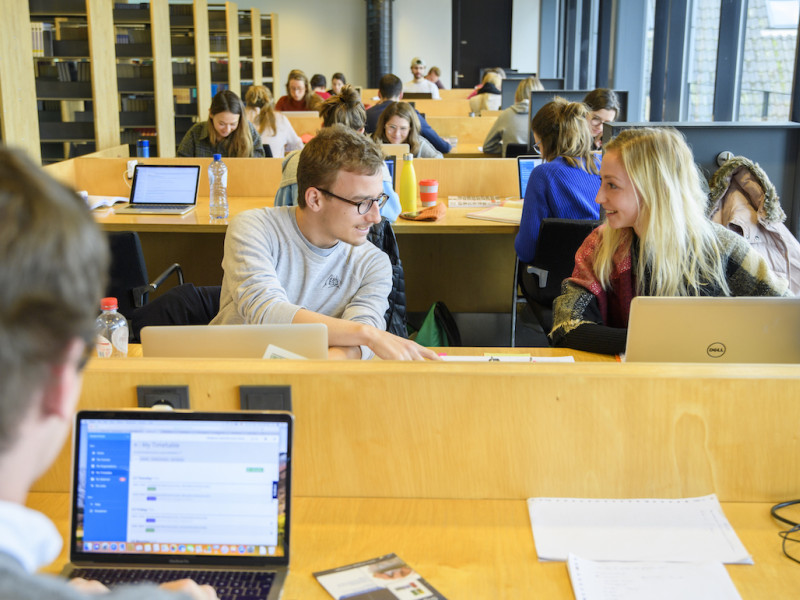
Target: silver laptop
(234, 341)
(162, 190)
(162, 495)
(714, 330)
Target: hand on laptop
(190, 588)
(184, 586)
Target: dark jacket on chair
(382, 235)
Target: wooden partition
(442, 108)
(306, 122)
(468, 130)
(455, 94)
(503, 431)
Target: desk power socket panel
(266, 397)
(163, 397)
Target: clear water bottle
(218, 192)
(111, 330)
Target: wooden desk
(476, 549)
(470, 269)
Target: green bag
(439, 329)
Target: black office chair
(554, 261)
(128, 280)
(184, 304)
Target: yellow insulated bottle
(408, 185)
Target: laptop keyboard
(229, 585)
(158, 206)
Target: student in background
(345, 109)
(318, 85)
(566, 184)
(419, 84)
(299, 94)
(390, 89)
(511, 126)
(603, 105)
(227, 131)
(434, 75)
(55, 263)
(655, 241)
(398, 124)
(489, 96)
(275, 129)
(499, 70)
(338, 81)
(312, 263)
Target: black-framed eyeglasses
(363, 206)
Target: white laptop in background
(714, 330)
(308, 340)
(163, 495)
(162, 190)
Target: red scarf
(614, 303)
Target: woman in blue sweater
(564, 186)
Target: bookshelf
(256, 48)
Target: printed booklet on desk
(502, 214)
(382, 578)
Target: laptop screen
(525, 166)
(165, 184)
(195, 488)
(390, 163)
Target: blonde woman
(655, 241)
(398, 124)
(566, 184)
(273, 127)
(227, 131)
(511, 126)
(299, 96)
(489, 96)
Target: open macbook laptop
(714, 330)
(525, 166)
(163, 495)
(163, 190)
(308, 340)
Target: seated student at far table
(656, 241)
(565, 186)
(227, 132)
(346, 109)
(312, 263)
(398, 124)
(511, 125)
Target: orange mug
(428, 192)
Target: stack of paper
(647, 543)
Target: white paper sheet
(501, 358)
(595, 580)
(650, 529)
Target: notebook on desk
(162, 190)
(163, 495)
(714, 330)
(309, 340)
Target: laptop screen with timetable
(165, 184)
(525, 166)
(205, 488)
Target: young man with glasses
(310, 263)
(55, 263)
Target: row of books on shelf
(133, 35)
(42, 38)
(131, 70)
(64, 70)
(136, 104)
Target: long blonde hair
(678, 246)
(564, 131)
(258, 99)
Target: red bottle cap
(108, 304)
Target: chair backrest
(515, 150)
(559, 240)
(182, 305)
(128, 269)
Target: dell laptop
(162, 190)
(164, 495)
(714, 330)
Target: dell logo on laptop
(716, 350)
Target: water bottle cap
(218, 157)
(143, 143)
(408, 156)
(108, 304)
